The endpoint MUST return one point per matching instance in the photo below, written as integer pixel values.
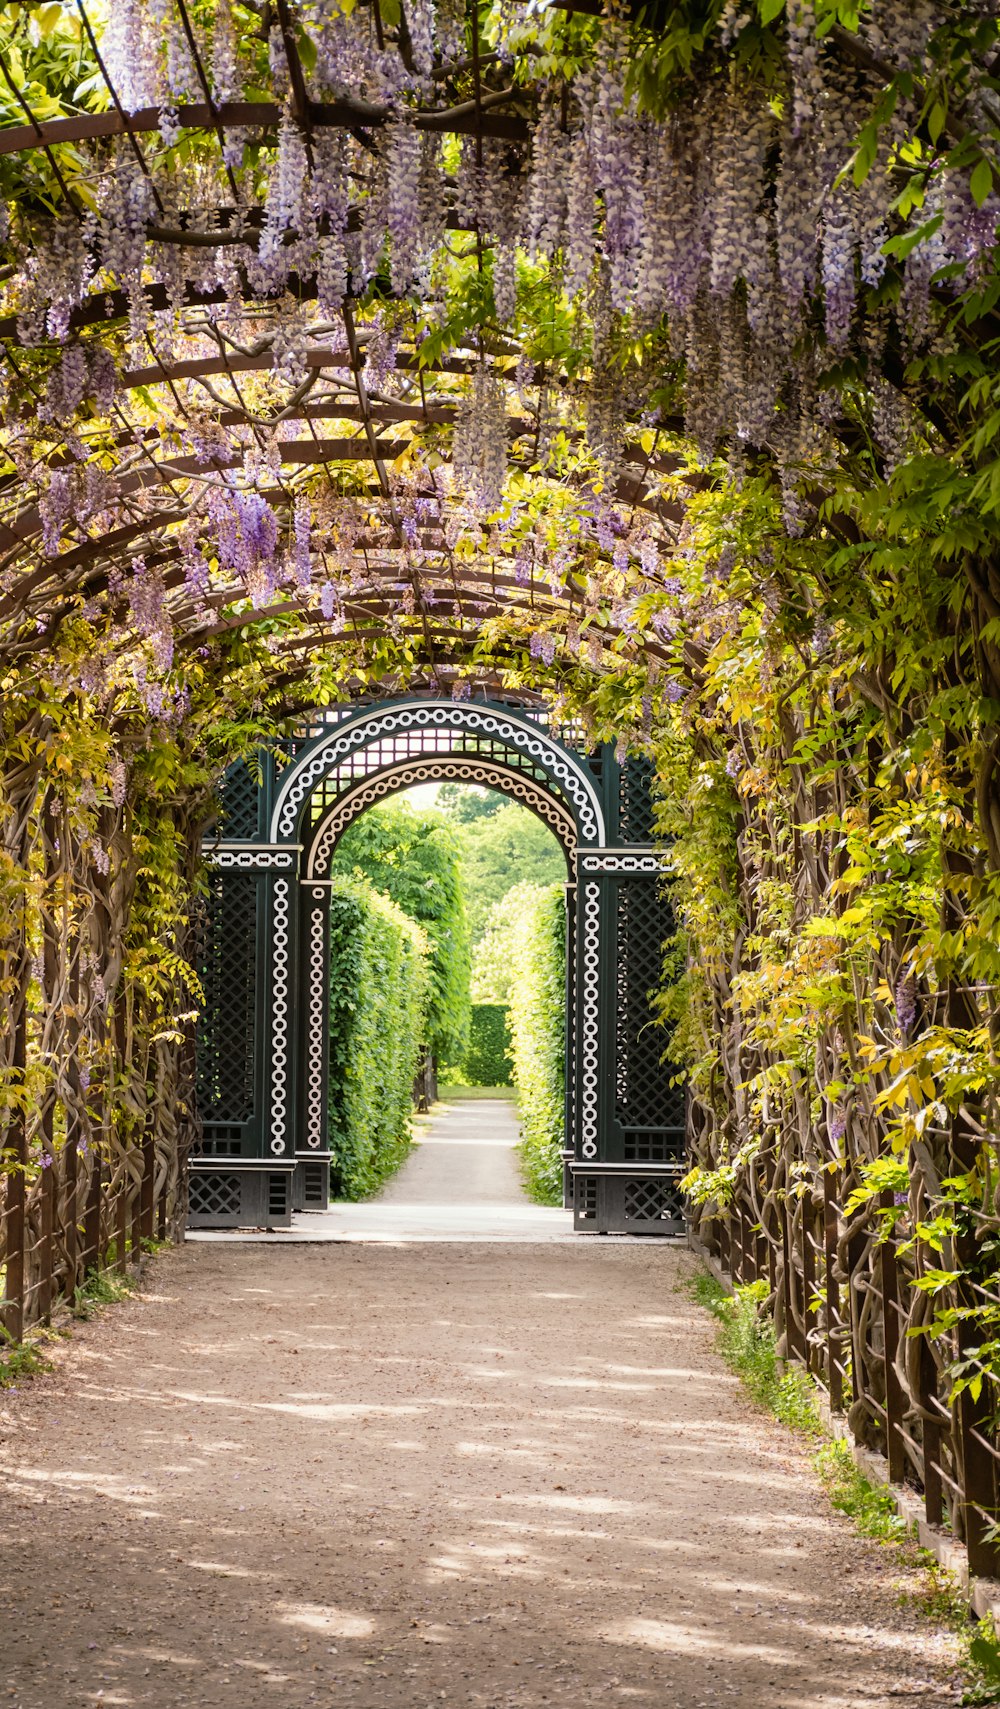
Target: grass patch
(455, 1094)
(20, 1359)
(980, 1661)
(100, 1288)
(869, 1507)
(746, 1342)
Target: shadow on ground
(393, 1477)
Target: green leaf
(981, 182)
(984, 1653)
(307, 50)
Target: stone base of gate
(311, 1182)
(615, 1198)
(257, 1195)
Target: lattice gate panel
(636, 815)
(240, 803)
(227, 1028)
(648, 1110)
(418, 745)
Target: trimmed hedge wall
(379, 991)
(537, 1016)
(487, 1060)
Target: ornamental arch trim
(444, 768)
(438, 717)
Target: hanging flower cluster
(189, 326)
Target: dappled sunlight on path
(381, 1477)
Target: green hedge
(379, 985)
(537, 1015)
(487, 1060)
(413, 857)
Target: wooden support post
(795, 1347)
(834, 1338)
(121, 1224)
(71, 1209)
(933, 1437)
(71, 1147)
(146, 1201)
(746, 1261)
(895, 1400)
(979, 1484)
(808, 1280)
(48, 1206)
(725, 1246)
(47, 1210)
(136, 1187)
(92, 1217)
(17, 1151)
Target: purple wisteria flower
(905, 996)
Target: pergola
(603, 360)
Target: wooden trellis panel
(840, 1288)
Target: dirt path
(395, 1477)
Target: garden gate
(263, 1047)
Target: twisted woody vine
(641, 360)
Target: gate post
(630, 1121)
(241, 1173)
(312, 1151)
(569, 1047)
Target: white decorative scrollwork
(590, 1018)
(440, 767)
(623, 863)
(250, 860)
(314, 1023)
(439, 716)
(279, 1017)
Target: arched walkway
(398, 1476)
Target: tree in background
(494, 961)
(500, 850)
(413, 858)
(464, 802)
(487, 1060)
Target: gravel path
(377, 1476)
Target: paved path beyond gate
(461, 1182)
(427, 1475)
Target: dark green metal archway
(263, 1053)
